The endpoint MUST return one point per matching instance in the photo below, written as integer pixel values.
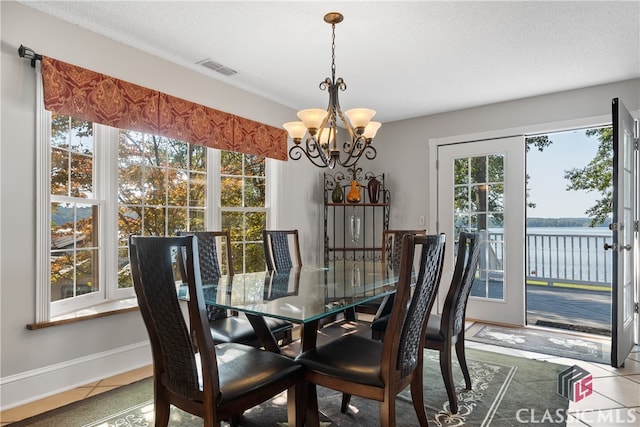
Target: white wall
(37, 363)
(403, 145)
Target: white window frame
(269, 170)
(106, 192)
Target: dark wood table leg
(350, 314)
(309, 335)
(263, 332)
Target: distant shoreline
(564, 222)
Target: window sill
(100, 310)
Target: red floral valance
(99, 98)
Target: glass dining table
(302, 295)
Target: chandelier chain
(333, 53)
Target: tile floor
(615, 400)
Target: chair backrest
(214, 250)
(281, 249)
(392, 245)
(154, 269)
(404, 336)
(213, 262)
(464, 272)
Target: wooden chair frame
(275, 256)
(188, 379)
(378, 370)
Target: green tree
(540, 142)
(597, 175)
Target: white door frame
(542, 128)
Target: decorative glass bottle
(353, 196)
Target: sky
(572, 149)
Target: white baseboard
(39, 383)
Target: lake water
(569, 253)
(563, 254)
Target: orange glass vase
(353, 196)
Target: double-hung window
(103, 184)
(75, 214)
(243, 204)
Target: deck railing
(569, 260)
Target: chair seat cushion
(239, 330)
(232, 329)
(380, 324)
(278, 325)
(243, 369)
(433, 332)
(351, 358)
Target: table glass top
(303, 294)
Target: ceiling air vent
(212, 65)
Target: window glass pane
(62, 276)
(231, 192)
(82, 176)
(461, 171)
(254, 195)
(461, 199)
(479, 197)
(124, 270)
(129, 222)
(254, 257)
(254, 165)
(60, 131)
(496, 168)
(86, 217)
(196, 219)
(177, 220)
(233, 221)
(177, 153)
(256, 222)
(59, 172)
(130, 148)
(198, 158)
(155, 188)
(197, 189)
(130, 189)
(86, 272)
(74, 250)
(178, 188)
(230, 163)
(153, 221)
(81, 136)
(478, 169)
(496, 197)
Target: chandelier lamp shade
(330, 137)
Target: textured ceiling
(404, 59)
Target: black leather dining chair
(356, 365)
(447, 330)
(281, 249)
(214, 250)
(391, 253)
(214, 382)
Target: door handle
(614, 246)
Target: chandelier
(319, 128)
